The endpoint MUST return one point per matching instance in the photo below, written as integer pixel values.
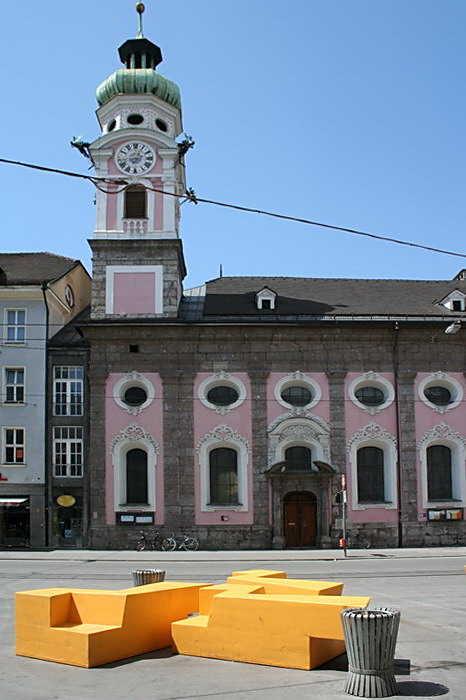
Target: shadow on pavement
(422, 689)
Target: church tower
(138, 263)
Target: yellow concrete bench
(90, 627)
(277, 582)
(293, 631)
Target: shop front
(67, 526)
(14, 521)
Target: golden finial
(140, 7)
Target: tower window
(112, 125)
(135, 119)
(160, 124)
(135, 202)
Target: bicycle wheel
(168, 544)
(190, 544)
(140, 546)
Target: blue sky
(349, 112)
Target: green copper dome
(133, 81)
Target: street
(428, 586)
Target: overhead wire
(97, 181)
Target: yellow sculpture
(296, 626)
(258, 616)
(89, 628)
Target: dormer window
(265, 299)
(456, 301)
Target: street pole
(343, 511)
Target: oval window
(135, 396)
(297, 395)
(370, 396)
(160, 124)
(222, 395)
(112, 125)
(135, 119)
(439, 395)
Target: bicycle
(358, 541)
(154, 542)
(179, 541)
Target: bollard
(142, 577)
(370, 637)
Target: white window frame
(372, 379)
(445, 380)
(69, 441)
(456, 295)
(221, 379)
(67, 381)
(223, 436)
(14, 385)
(125, 383)
(298, 379)
(15, 326)
(457, 446)
(133, 437)
(15, 445)
(266, 295)
(373, 435)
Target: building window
(371, 479)
(440, 392)
(135, 202)
(15, 325)
(439, 474)
(136, 477)
(297, 391)
(222, 395)
(222, 392)
(68, 391)
(14, 385)
(298, 459)
(68, 451)
(266, 299)
(223, 476)
(134, 392)
(371, 392)
(14, 445)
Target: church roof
(300, 298)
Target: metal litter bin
(370, 637)
(142, 577)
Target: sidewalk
(236, 555)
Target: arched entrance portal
(300, 519)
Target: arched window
(371, 481)
(439, 474)
(298, 459)
(135, 202)
(223, 476)
(136, 476)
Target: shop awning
(12, 501)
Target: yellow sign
(66, 500)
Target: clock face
(135, 158)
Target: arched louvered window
(371, 479)
(136, 476)
(223, 476)
(439, 477)
(135, 202)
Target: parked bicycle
(357, 541)
(154, 542)
(180, 541)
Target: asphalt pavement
(426, 585)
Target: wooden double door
(300, 519)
